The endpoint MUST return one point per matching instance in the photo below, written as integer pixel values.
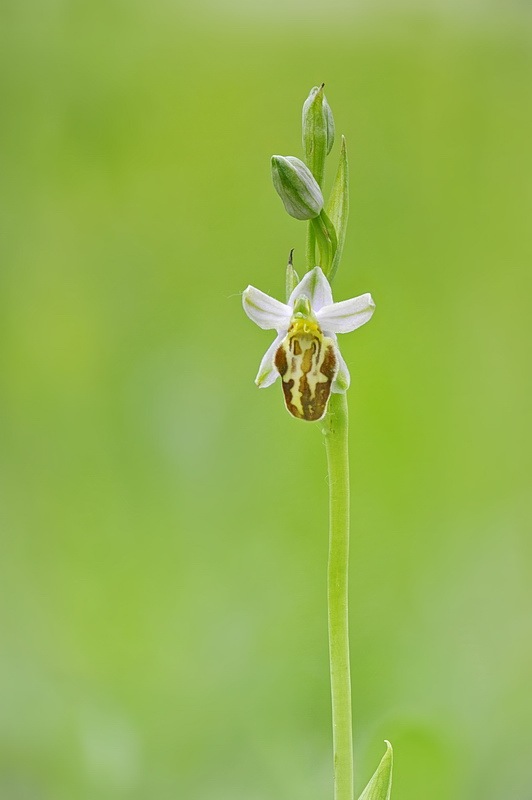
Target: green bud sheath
(296, 187)
(318, 131)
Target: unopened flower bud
(318, 131)
(297, 187)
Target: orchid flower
(305, 352)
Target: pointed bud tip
(318, 130)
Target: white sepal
(316, 287)
(265, 311)
(346, 316)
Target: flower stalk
(335, 430)
(318, 135)
(315, 379)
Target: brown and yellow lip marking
(307, 364)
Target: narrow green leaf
(380, 785)
(338, 206)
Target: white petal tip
(370, 302)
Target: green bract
(338, 208)
(296, 187)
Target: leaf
(380, 785)
(338, 206)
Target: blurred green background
(163, 523)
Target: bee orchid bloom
(305, 352)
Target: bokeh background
(164, 523)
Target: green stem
(311, 247)
(335, 430)
(325, 239)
